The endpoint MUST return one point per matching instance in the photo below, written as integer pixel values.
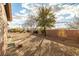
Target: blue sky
(64, 12)
(16, 7)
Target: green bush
(16, 30)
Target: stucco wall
(3, 30)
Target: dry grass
(50, 46)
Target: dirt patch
(50, 46)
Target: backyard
(43, 30)
(31, 44)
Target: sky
(64, 13)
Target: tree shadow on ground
(12, 51)
(24, 38)
(38, 41)
(49, 49)
(62, 40)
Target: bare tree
(74, 24)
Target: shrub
(35, 31)
(28, 30)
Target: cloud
(59, 19)
(63, 12)
(23, 11)
(61, 25)
(16, 23)
(25, 5)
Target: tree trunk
(45, 31)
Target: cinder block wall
(74, 34)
